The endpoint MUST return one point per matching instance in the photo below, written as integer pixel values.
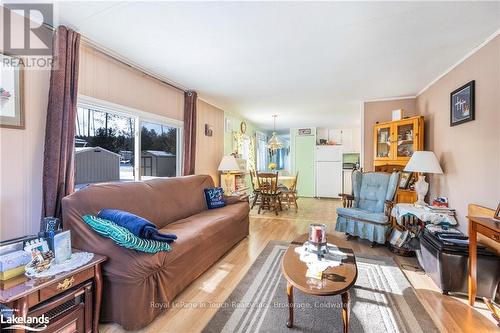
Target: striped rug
(381, 301)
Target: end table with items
(410, 221)
(71, 300)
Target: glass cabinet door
(383, 144)
(406, 142)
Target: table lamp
(227, 165)
(423, 161)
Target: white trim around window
(139, 117)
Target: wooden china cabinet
(394, 144)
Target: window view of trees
(161, 138)
(104, 144)
(115, 135)
(158, 150)
(106, 130)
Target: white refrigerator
(328, 171)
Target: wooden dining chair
(270, 197)
(289, 195)
(255, 189)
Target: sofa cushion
(357, 213)
(198, 236)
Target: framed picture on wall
(462, 104)
(209, 130)
(404, 181)
(11, 92)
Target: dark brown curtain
(58, 167)
(189, 132)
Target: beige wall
(21, 162)
(469, 153)
(381, 111)
(107, 79)
(209, 150)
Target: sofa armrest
(347, 200)
(233, 199)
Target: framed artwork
(397, 114)
(209, 130)
(305, 131)
(404, 181)
(243, 127)
(11, 93)
(462, 104)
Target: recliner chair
(366, 212)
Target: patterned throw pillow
(214, 197)
(123, 236)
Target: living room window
(104, 146)
(114, 143)
(158, 150)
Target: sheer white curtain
(262, 152)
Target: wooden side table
(72, 299)
(489, 228)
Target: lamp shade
(228, 163)
(423, 161)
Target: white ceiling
(310, 63)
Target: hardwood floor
(194, 307)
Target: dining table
(286, 181)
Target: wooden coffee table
(337, 280)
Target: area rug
(382, 300)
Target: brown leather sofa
(137, 285)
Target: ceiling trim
(388, 99)
(468, 55)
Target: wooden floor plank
(451, 314)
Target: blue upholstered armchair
(366, 213)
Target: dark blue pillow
(214, 197)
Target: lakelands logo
(27, 29)
(30, 324)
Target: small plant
(272, 166)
